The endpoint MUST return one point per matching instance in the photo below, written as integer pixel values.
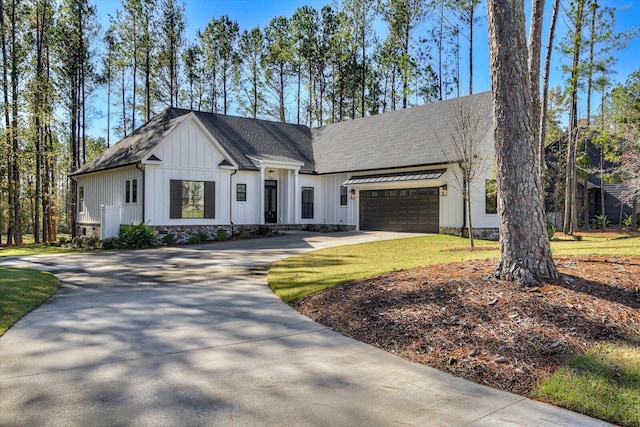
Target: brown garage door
(407, 209)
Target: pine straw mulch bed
(460, 319)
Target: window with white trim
(307, 203)
(241, 192)
(343, 195)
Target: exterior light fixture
(271, 173)
(443, 190)
(353, 193)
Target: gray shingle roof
(413, 137)
(410, 137)
(239, 136)
(242, 136)
(137, 145)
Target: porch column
(261, 194)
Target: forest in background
(318, 66)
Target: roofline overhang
(74, 174)
(388, 168)
(261, 162)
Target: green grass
(596, 244)
(307, 273)
(22, 290)
(33, 249)
(30, 248)
(603, 383)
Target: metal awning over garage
(396, 177)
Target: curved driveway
(193, 336)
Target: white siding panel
(108, 188)
(246, 212)
(186, 155)
(451, 205)
(332, 211)
(315, 182)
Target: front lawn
(307, 273)
(604, 383)
(455, 316)
(22, 290)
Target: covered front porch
(279, 188)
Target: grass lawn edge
(22, 290)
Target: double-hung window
(307, 203)
(131, 191)
(81, 199)
(241, 192)
(343, 195)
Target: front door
(270, 201)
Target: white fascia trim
(277, 164)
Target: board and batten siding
(247, 212)
(316, 182)
(332, 212)
(188, 155)
(108, 188)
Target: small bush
(169, 239)
(600, 221)
(137, 236)
(204, 236)
(78, 242)
(92, 242)
(195, 239)
(221, 236)
(244, 234)
(628, 221)
(551, 230)
(263, 230)
(62, 241)
(110, 243)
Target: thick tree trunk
(525, 253)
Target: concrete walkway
(193, 336)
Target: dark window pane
(241, 192)
(307, 202)
(134, 191)
(343, 196)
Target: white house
(187, 171)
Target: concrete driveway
(193, 336)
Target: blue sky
(251, 13)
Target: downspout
(141, 169)
(231, 199)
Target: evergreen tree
(250, 78)
(277, 63)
